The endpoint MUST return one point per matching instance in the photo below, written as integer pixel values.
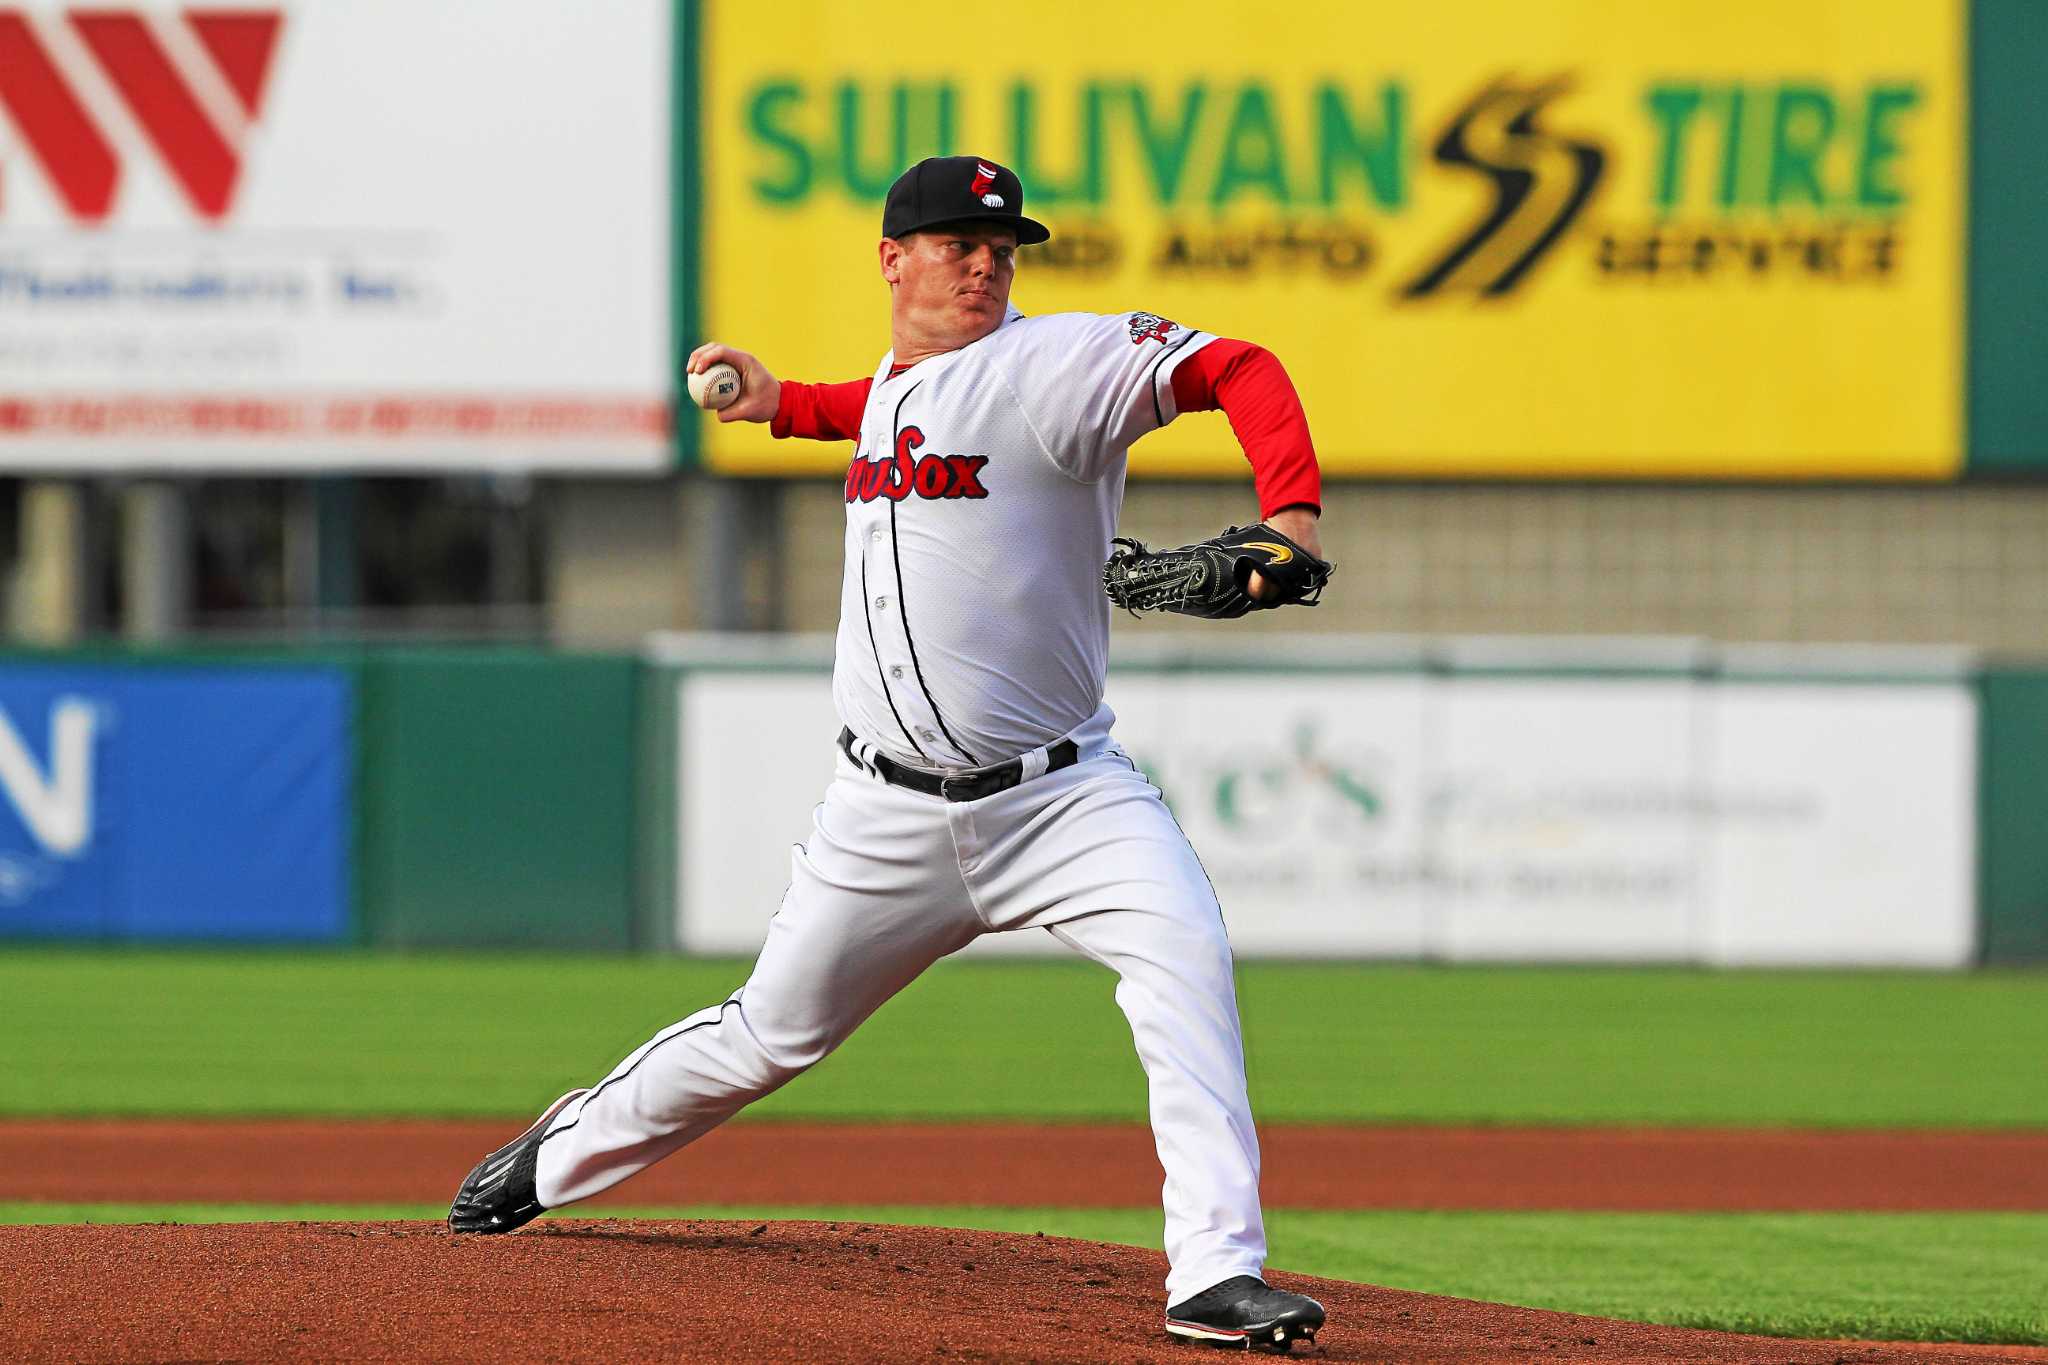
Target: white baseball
(717, 386)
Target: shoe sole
(1273, 1336)
(547, 1116)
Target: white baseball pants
(890, 881)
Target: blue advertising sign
(146, 803)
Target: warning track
(1038, 1166)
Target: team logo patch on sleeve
(1150, 327)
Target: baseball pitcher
(978, 788)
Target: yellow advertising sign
(1488, 238)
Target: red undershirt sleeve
(1252, 388)
(821, 412)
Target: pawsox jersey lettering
(1008, 452)
(926, 475)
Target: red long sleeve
(1251, 386)
(821, 412)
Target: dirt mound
(572, 1290)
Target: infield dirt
(1051, 1166)
(577, 1290)
(698, 1291)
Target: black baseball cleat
(1245, 1311)
(498, 1195)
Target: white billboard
(755, 753)
(1304, 801)
(1561, 819)
(1462, 818)
(1845, 829)
(386, 234)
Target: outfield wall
(1447, 800)
(1474, 801)
(445, 797)
(2013, 832)
(175, 802)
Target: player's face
(952, 284)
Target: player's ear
(891, 252)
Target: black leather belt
(967, 786)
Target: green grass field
(343, 1034)
(127, 1032)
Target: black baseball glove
(1210, 577)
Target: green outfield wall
(529, 798)
(2013, 816)
(497, 798)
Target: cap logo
(994, 201)
(984, 178)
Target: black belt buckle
(974, 786)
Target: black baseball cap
(952, 189)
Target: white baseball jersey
(980, 507)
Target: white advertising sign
(1562, 819)
(1303, 800)
(755, 755)
(1531, 818)
(1844, 827)
(386, 234)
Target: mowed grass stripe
(105, 1032)
(1881, 1277)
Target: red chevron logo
(193, 83)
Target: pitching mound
(784, 1291)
